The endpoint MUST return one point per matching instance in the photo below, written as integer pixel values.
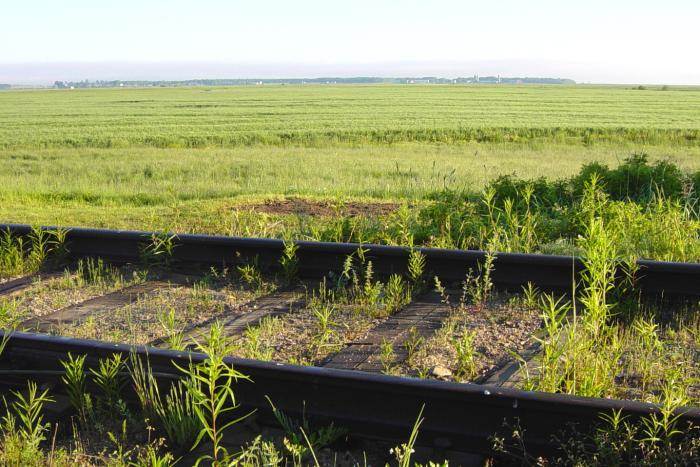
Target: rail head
(374, 405)
(512, 270)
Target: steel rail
(316, 259)
(459, 417)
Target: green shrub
(635, 179)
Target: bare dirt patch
(305, 207)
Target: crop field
(197, 117)
(189, 159)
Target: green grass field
(195, 117)
(130, 157)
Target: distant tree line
(5, 86)
(355, 80)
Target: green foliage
(251, 275)
(530, 295)
(159, 250)
(259, 453)
(210, 385)
(10, 314)
(28, 254)
(27, 418)
(323, 312)
(257, 340)
(109, 378)
(614, 440)
(476, 288)
(397, 294)
(416, 269)
(75, 380)
(301, 439)
(175, 414)
(403, 452)
(178, 417)
(174, 336)
(94, 271)
(635, 179)
(289, 261)
(466, 355)
(387, 355)
(412, 343)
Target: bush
(635, 179)
(545, 193)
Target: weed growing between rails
(210, 386)
(357, 286)
(340, 309)
(614, 440)
(158, 251)
(89, 279)
(483, 328)
(26, 255)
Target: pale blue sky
(588, 40)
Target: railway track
(512, 270)
(459, 417)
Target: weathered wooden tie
(236, 320)
(78, 313)
(426, 315)
(513, 373)
(22, 283)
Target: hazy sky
(593, 40)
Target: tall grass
(587, 344)
(24, 255)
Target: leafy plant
(259, 453)
(28, 410)
(416, 268)
(466, 355)
(254, 345)
(178, 416)
(289, 261)
(396, 294)
(412, 343)
(210, 385)
(530, 295)
(109, 378)
(439, 288)
(251, 275)
(174, 335)
(404, 452)
(159, 251)
(477, 288)
(301, 439)
(387, 355)
(75, 380)
(323, 312)
(94, 271)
